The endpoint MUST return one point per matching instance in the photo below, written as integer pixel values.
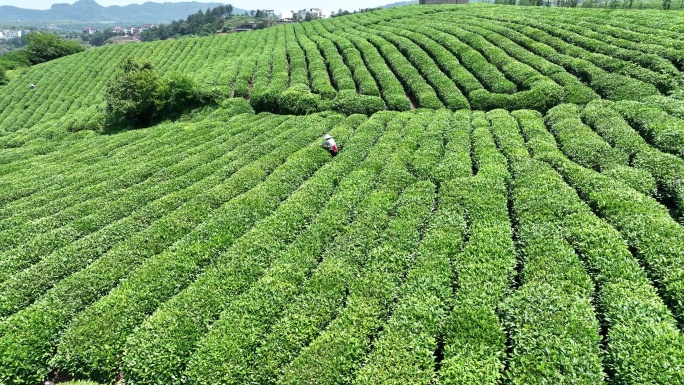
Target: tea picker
(330, 145)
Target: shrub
(15, 59)
(179, 93)
(348, 102)
(140, 97)
(235, 106)
(11, 61)
(44, 47)
(131, 97)
(298, 100)
(638, 179)
(85, 119)
(619, 87)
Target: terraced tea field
(508, 211)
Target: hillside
(508, 208)
(91, 11)
(400, 3)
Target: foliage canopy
(44, 47)
(140, 97)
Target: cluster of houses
(301, 14)
(130, 31)
(286, 17)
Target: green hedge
(167, 273)
(320, 298)
(148, 357)
(554, 332)
(667, 169)
(348, 102)
(642, 343)
(662, 130)
(33, 332)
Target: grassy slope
(449, 230)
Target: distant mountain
(90, 11)
(399, 4)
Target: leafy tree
(44, 47)
(100, 38)
(130, 99)
(15, 59)
(311, 16)
(161, 32)
(342, 12)
(18, 42)
(667, 4)
(139, 97)
(202, 23)
(10, 61)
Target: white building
(11, 34)
(287, 15)
(321, 14)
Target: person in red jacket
(330, 145)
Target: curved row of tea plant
(367, 62)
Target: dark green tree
(100, 37)
(44, 47)
(311, 16)
(139, 97)
(131, 97)
(342, 12)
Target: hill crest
(91, 11)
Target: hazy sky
(278, 5)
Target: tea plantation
(507, 206)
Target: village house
(8, 34)
(251, 26)
(317, 12)
(288, 17)
(131, 31)
(303, 12)
(89, 31)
